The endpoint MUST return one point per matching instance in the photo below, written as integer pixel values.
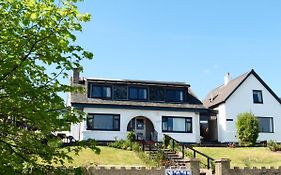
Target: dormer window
(137, 93)
(174, 95)
(257, 96)
(100, 91)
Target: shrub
(247, 129)
(273, 146)
(117, 144)
(136, 147)
(126, 145)
(131, 136)
(166, 140)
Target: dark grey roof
(147, 82)
(223, 92)
(82, 99)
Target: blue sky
(179, 40)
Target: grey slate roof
(82, 98)
(146, 82)
(223, 92)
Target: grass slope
(108, 156)
(244, 157)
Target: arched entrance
(143, 127)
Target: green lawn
(108, 156)
(244, 157)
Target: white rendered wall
(242, 101)
(154, 115)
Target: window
(257, 96)
(120, 92)
(174, 95)
(131, 125)
(266, 124)
(138, 93)
(108, 122)
(177, 124)
(140, 124)
(100, 91)
(156, 94)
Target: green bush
(166, 140)
(273, 146)
(136, 147)
(127, 145)
(131, 136)
(247, 129)
(117, 144)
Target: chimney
(75, 76)
(227, 78)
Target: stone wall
(192, 164)
(223, 168)
(124, 171)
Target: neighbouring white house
(246, 93)
(150, 108)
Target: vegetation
(243, 156)
(167, 141)
(131, 136)
(273, 146)
(108, 156)
(155, 159)
(37, 46)
(128, 144)
(247, 129)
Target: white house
(150, 108)
(246, 93)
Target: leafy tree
(247, 129)
(34, 36)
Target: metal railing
(183, 146)
(209, 159)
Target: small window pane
(116, 122)
(188, 127)
(179, 124)
(164, 123)
(265, 124)
(140, 124)
(103, 122)
(170, 124)
(257, 96)
(174, 95)
(143, 94)
(106, 92)
(90, 122)
(96, 91)
(133, 93)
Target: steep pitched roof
(223, 92)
